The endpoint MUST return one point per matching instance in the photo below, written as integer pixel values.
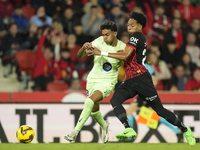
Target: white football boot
(71, 137)
(104, 132)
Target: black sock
(168, 115)
(121, 115)
(182, 127)
(125, 122)
(179, 124)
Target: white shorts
(106, 88)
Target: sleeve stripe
(131, 46)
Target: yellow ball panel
(25, 134)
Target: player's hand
(46, 31)
(87, 45)
(88, 51)
(95, 51)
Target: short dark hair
(78, 23)
(19, 6)
(109, 25)
(38, 7)
(69, 8)
(56, 20)
(139, 17)
(64, 50)
(93, 6)
(171, 41)
(14, 23)
(74, 79)
(155, 43)
(48, 46)
(160, 5)
(179, 65)
(190, 32)
(148, 55)
(196, 19)
(175, 18)
(113, 6)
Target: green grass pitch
(98, 146)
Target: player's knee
(113, 102)
(116, 100)
(157, 106)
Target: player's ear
(115, 33)
(140, 26)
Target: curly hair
(139, 17)
(109, 25)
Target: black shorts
(141, 85)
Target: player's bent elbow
(124, 57)
(121, 57)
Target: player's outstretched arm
(81, 53)
(122, 56)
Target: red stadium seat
(197, 12)
(26, 60)
(28, 11)
(73, 56)
(81, 72)
(150, 40)
(57, 87)
(160, 86)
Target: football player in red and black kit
(138, 80)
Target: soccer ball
(25, 134)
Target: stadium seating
(26, 60)
(81, 72)
(197, 12)
(57, 86)
(150, 40)
(28, 11)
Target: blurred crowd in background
(41, 38)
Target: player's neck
(114, 43)
(137, 31)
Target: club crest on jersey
(107, 66)
(133, 40)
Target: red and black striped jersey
(134, 64)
